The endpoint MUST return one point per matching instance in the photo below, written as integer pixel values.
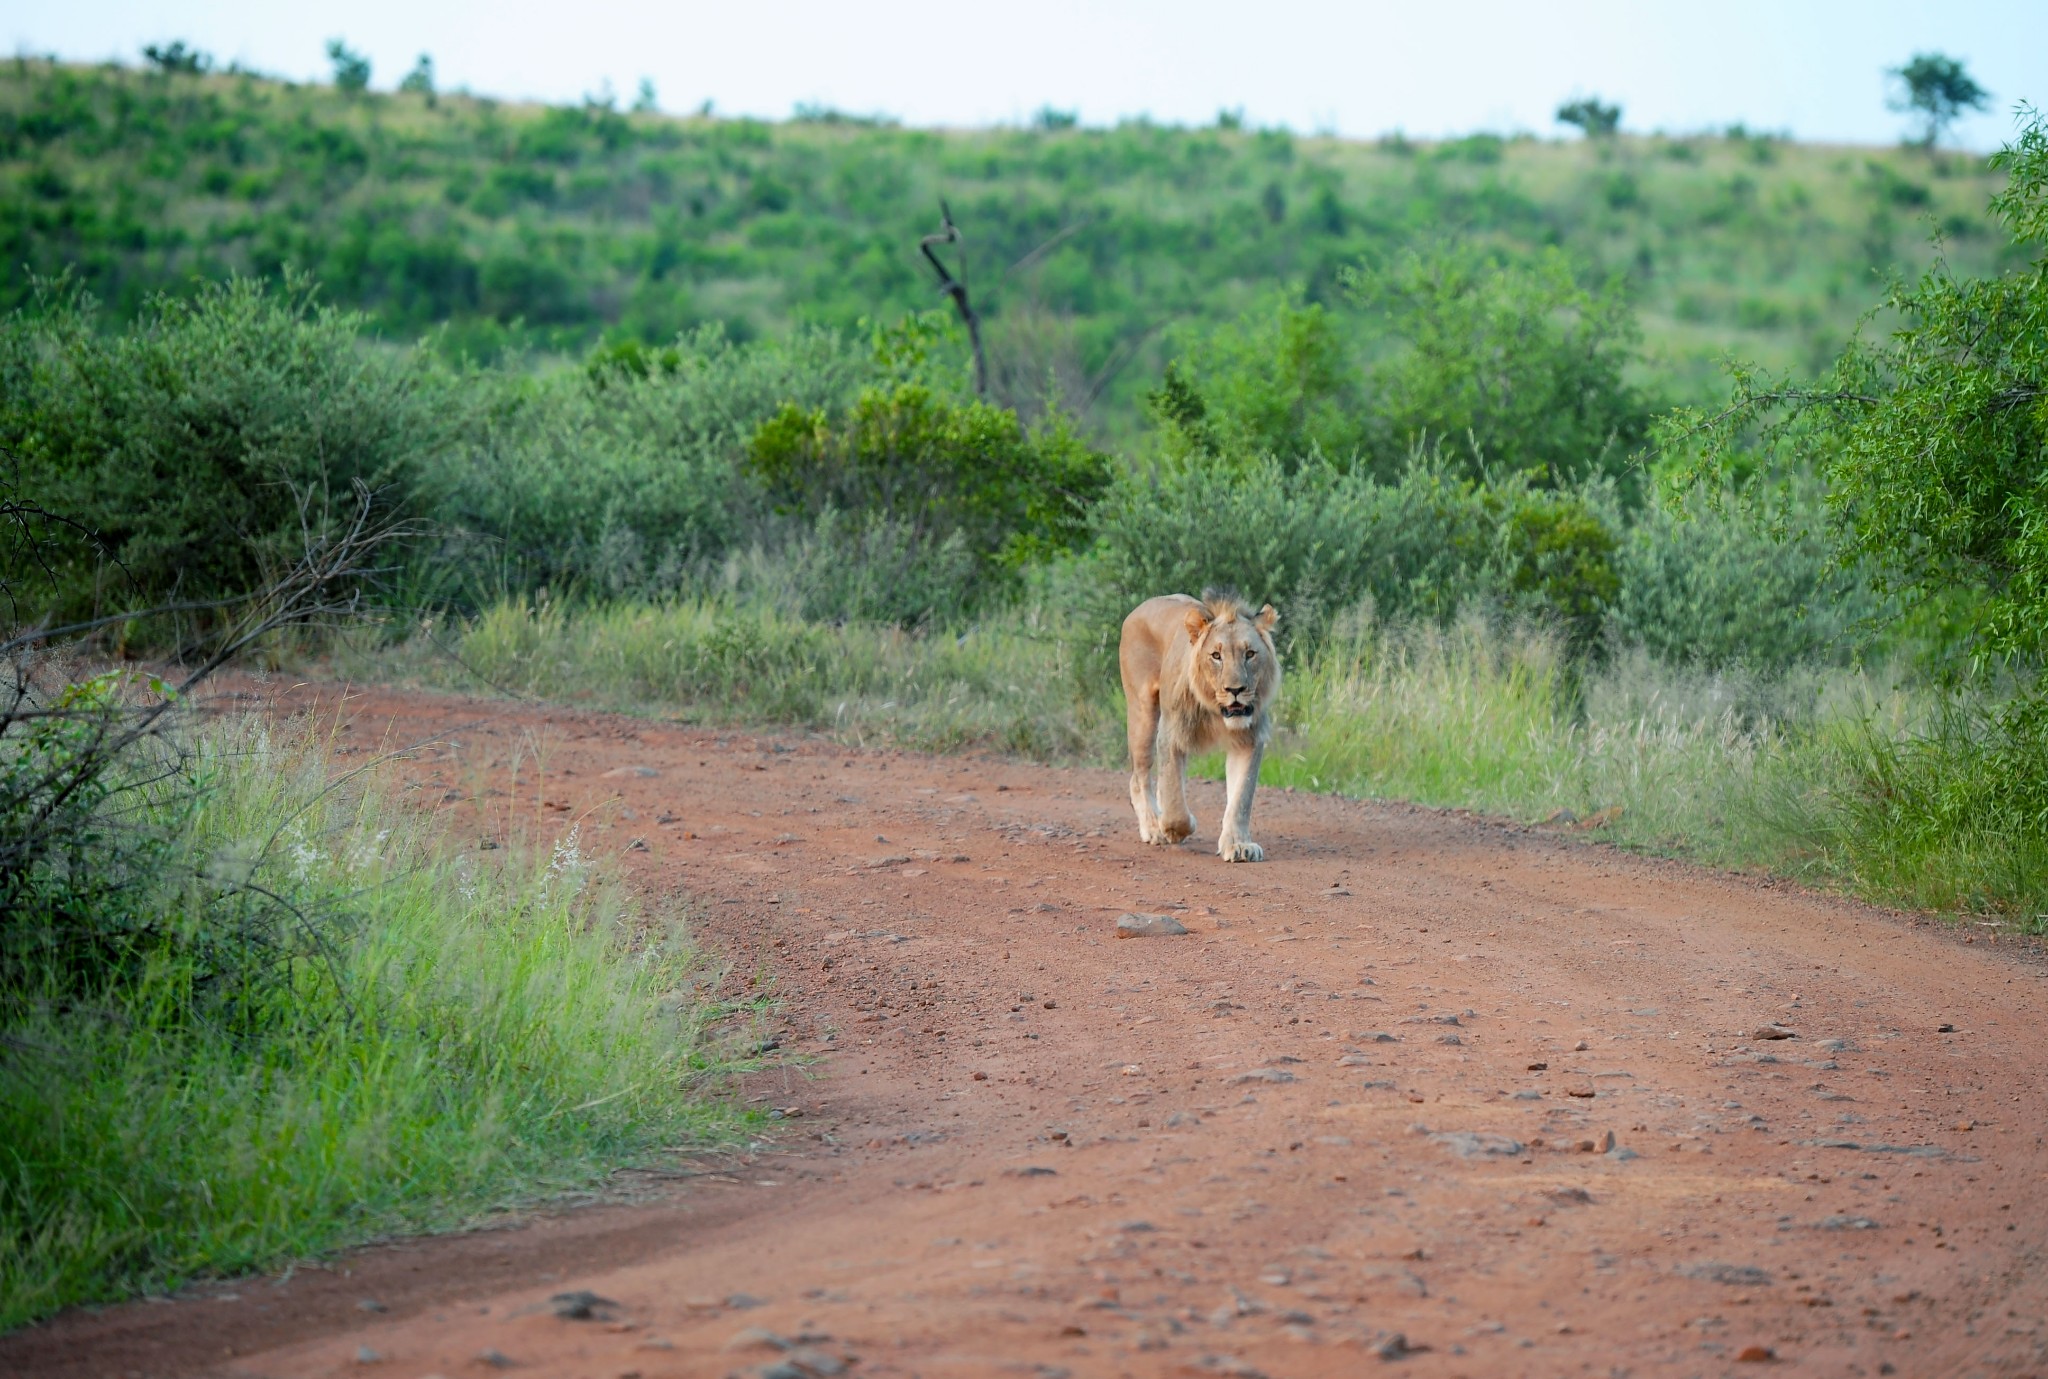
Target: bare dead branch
(956, 288)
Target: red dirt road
(1352, 1122)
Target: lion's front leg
(1241, 780)
(1176, 820)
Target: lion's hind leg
(1176, 820)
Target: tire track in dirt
(1421, 1088)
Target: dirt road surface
(1421, 1094)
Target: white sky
(1813, 67)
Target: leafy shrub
(1508, 359)
(1717, 588)
(201, 444)
(626, 477)
(1318, 539)
(1279, 381)
(941, 468)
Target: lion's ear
(1267, 617)
(1197, 623)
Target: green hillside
(554, 227)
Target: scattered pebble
(1740, 1275)
(1148, 926)
(1468, 1144)
(367, 1356)
(1398, 1346)
(581, 1306)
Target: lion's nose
(1237, 691)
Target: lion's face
(1233, 666)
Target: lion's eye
(1215, 655)
(1251, 655)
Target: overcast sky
(1814, 68)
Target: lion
(1198, 673)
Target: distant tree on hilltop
(420, 80)
(1598, 120)
(1937, 89)
(176, 57)
(351, 69)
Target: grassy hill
(554, 227)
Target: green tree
(1275, 382)
(1937, 89)
(419, 81)
(1595, 119)
(351, 68)
(1932, 442)
(1508, 360)
(950, 470)
(175, 57)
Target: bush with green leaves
(1318, 539)
(1930, 442)
(1507, 359)
(202, 444)
(1716, 586)
(945, 469)
(625, 477)
(1279, 381)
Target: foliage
(1318, 540)
(1716, 588)
(550, 229)
(946, 470)
(1511, 362)
(351, 68)
(1276, 382)
(1930, 442)
(1594, 118)
(176, 58)
(623, 478)
(205, 445)
(420, 80)
(449, 1033)
(1937, 88)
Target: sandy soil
(1421, 1093)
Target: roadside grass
(1010, 682)
(1716, 766)
(457, 1033)
(1850, 779)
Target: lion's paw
(1240, 850)
(1177, 830)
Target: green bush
(1717, 588)
(626, 477)
(1506, 359)
(945, 469)
(200, 444)
(1318, 539)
